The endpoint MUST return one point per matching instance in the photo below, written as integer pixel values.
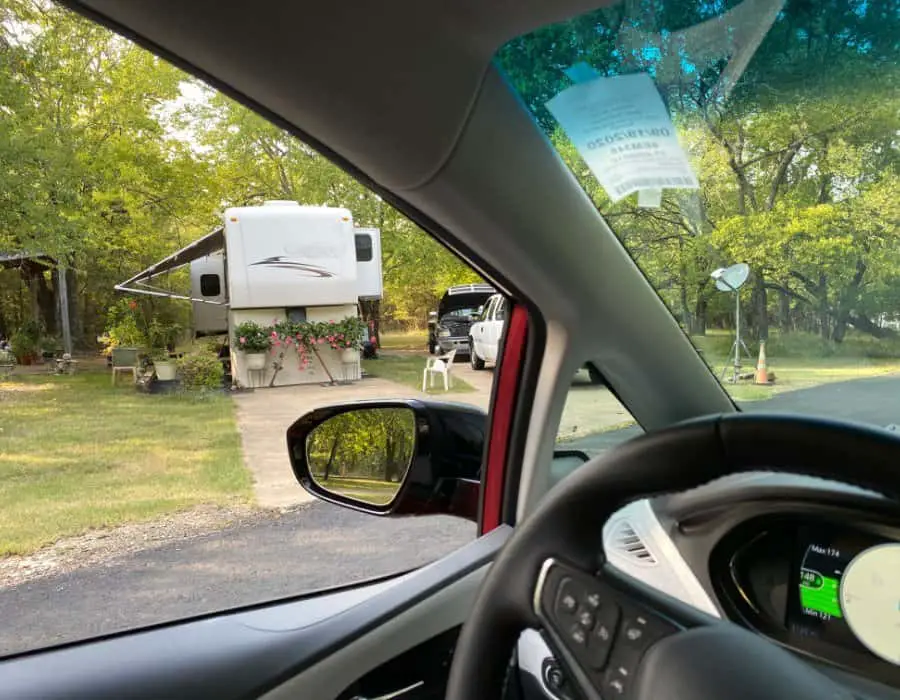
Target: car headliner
(403, 94)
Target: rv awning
(210, 243)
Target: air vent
(626, 542)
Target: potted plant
(161, 335)
(254, 341)
(26, 342)
(347, 336)
(165, 367)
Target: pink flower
(243, 340)
(277, 343)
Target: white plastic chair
(439, 365)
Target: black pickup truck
(448, 327)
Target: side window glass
(297, 314)
(363, 247)
(210, 285)
(148, 474)
(489, 309)
(501, 309)
(593, 421)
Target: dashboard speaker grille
(626, 542)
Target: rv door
(368, 262)
(208, 285)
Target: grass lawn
(76, 454)
(407, 370)
(368, 490)
(800, 361)
(405, 340)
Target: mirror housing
(444, 472)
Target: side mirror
(400, 457)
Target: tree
(796, 151)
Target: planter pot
(255, 360)
(349, 356)
(165, 370)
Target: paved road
(875, 400)
(316, 546)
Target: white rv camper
(274, 262)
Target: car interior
(672, 566)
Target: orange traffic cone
(762, 373)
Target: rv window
(297, 314)
(363, 247)
(209, 285)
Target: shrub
(201, 370)
(26, 341)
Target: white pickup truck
(486, 332)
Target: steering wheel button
(567, 598)
(586, 619)
(601, 640)
(577, 635)
(615, 687)
(592, 601)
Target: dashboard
(818, 584)
(811, 564)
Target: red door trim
(507, 382)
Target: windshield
(462, 312)
(747, 155)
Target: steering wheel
(617, 637)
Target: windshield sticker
(621, 128)
(650, 199)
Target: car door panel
(273, 648)
(480, 331)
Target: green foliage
(376, 443)
(201, 370)
(799, 165)
(251, 337)
(26, 341)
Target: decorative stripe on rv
(281, 261)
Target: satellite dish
(730, 279)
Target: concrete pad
(264, 416)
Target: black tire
(476, 362)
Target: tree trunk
(49, 307)
(863, 323)
(77, 326)
(330, 461)
(700, 316)
(760, 304)
(784, 311)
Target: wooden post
(63, 287)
